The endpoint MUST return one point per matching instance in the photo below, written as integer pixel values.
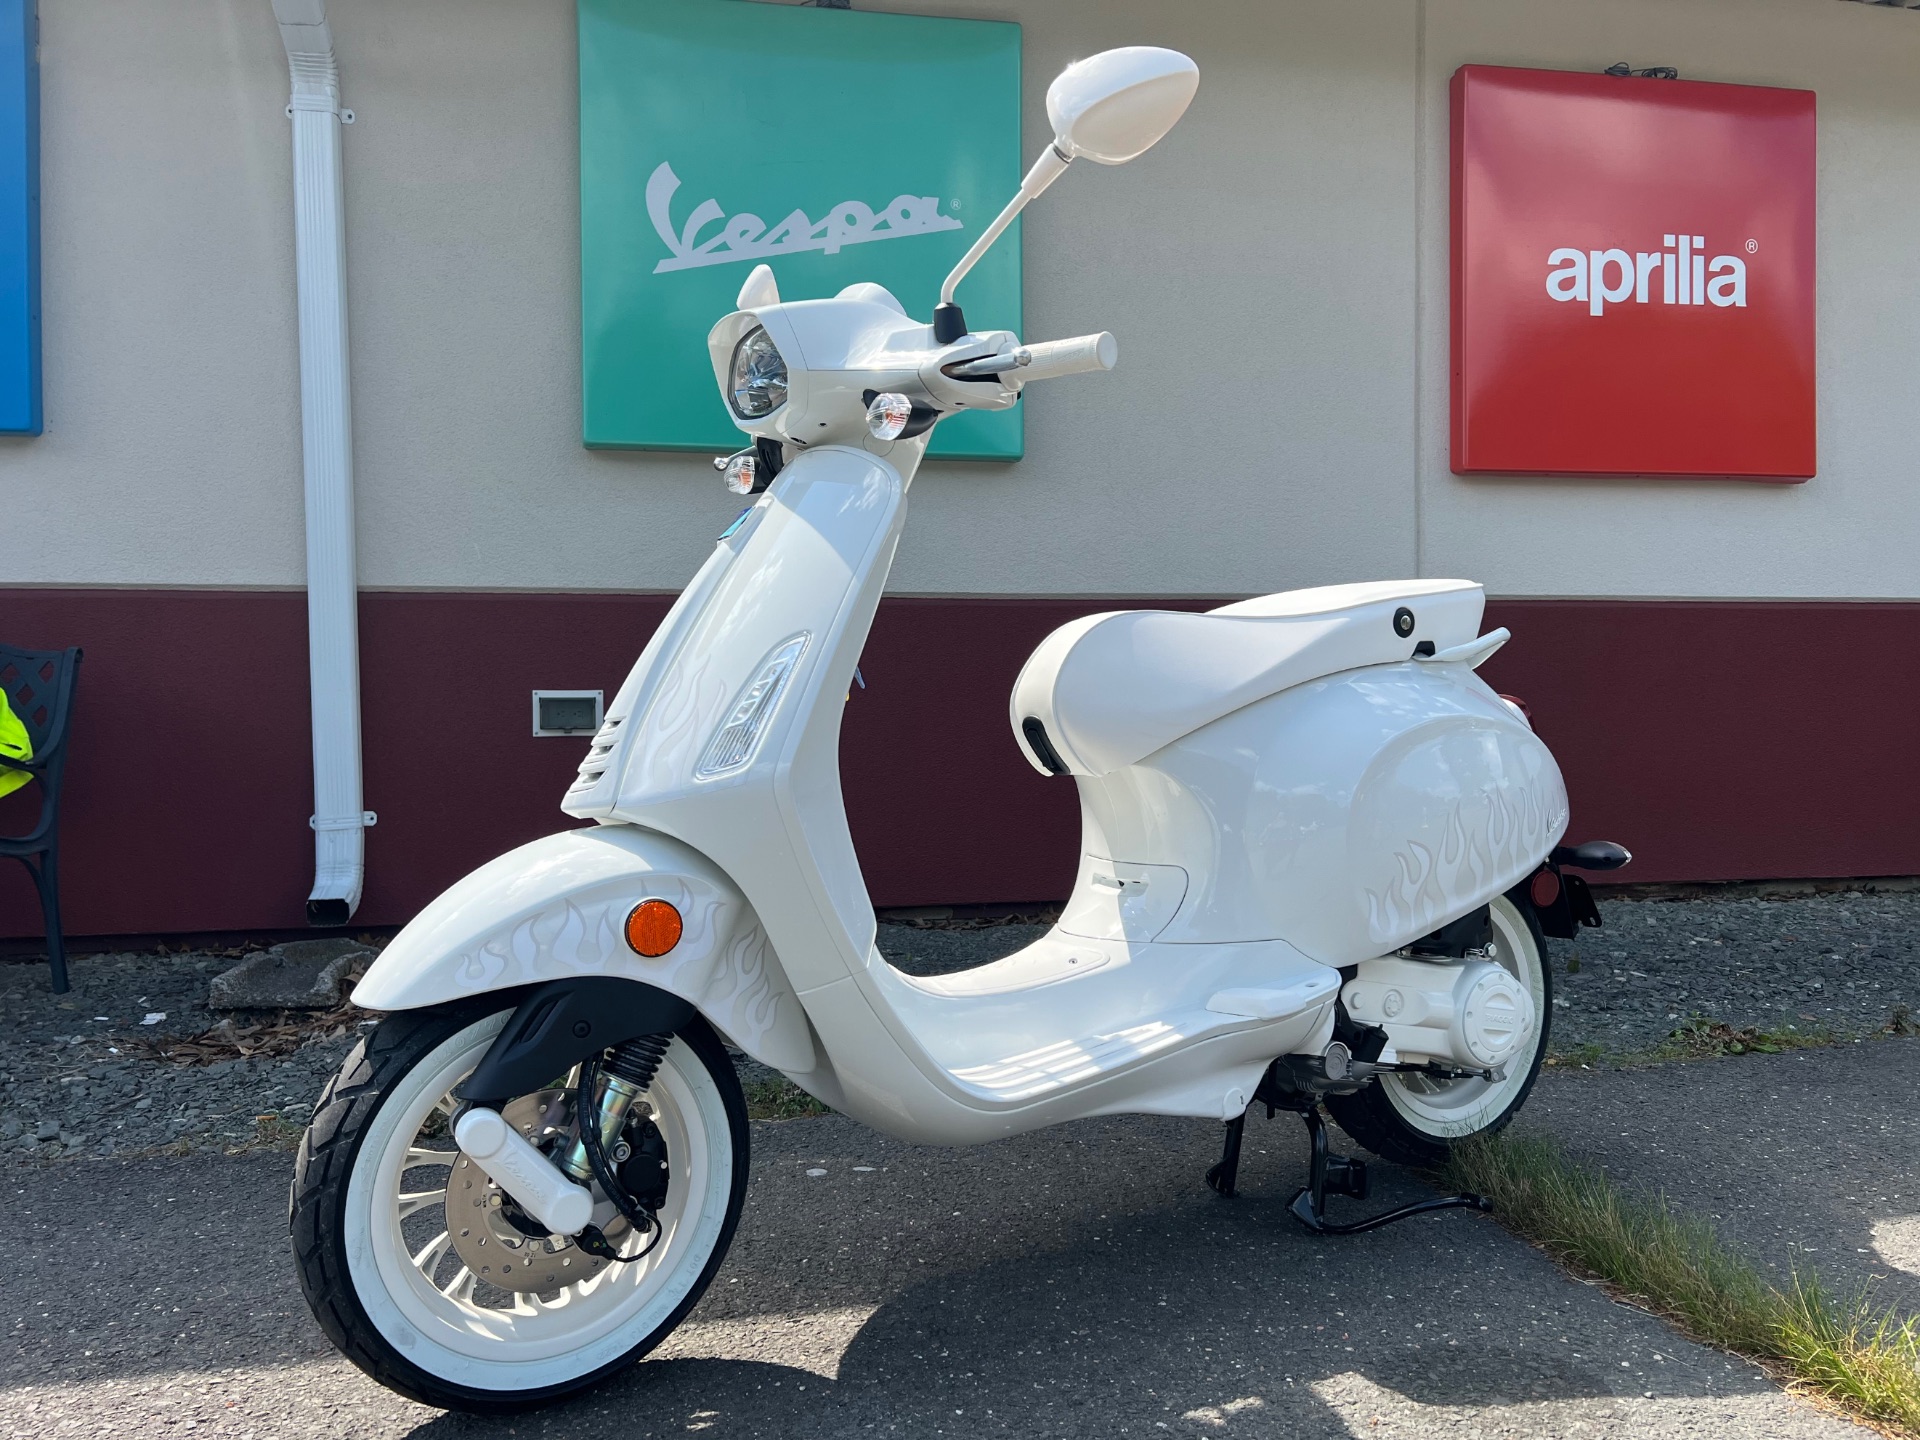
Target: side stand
(1224, 1176)
(1338, 1175)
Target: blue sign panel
(19, 220)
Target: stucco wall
(1275, 270)
(172, 447)
(1849, 532)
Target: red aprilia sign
(1633, 274)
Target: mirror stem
(1048, 168)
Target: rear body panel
(1348, 816)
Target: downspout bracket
(345, 116)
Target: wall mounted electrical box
(568, 712)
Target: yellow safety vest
(13, 745)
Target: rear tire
(1417, 1122)
(462, 1344)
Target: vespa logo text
(746, 237)
(1612, 277)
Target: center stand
(1327, 1173)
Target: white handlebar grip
(1068, 357)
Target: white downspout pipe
(326, 428)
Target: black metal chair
(39, 686)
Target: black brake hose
(643, 1220)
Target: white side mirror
(1109, 108)
(1117, 104)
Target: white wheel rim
(487, 1340)
(1450, 1109)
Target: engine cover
(1471, 1013)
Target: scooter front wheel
(1415, 1120)
(409, 1258)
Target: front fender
(558, 908)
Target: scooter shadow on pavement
(1097, 1308)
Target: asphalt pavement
(1809, 1161)
(1081, 1282)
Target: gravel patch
(930, 951)
(1824, 966)
(72, 1082)
(1841, 965)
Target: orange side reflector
(653, 928)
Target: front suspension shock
(626, 1073)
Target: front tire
(1416, 1121)
(372, 1184)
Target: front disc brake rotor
(480, 1215)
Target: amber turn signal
(653, 928)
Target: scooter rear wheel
(1416, 1121)
(379, 1187)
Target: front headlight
(757, 381)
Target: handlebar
(1046, 360)
(1077, 356)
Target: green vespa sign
(833, 145)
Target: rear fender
(557, 908)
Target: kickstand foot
(1224, 1177)
(1338, 1175)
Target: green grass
(781, 1100)
(1700, 1038)
(1866, 1361)
(1863, 1359)
(1589, 1054)
(276, 1132)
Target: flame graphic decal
(740, 986)
(1488, 842)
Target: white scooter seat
(1107, 690)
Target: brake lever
(988, 366)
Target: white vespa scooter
(1318, 858)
